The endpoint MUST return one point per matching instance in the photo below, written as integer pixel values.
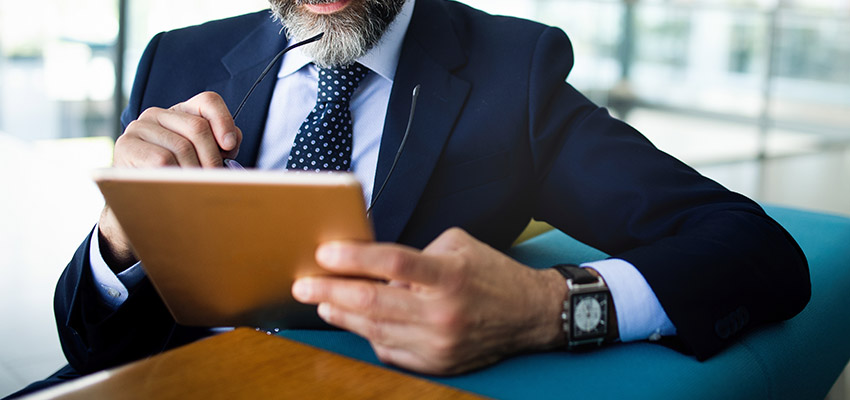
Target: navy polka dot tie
(325, 138)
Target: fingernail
(228, 142)
(301, 289)
(323, 310)
(328, 254)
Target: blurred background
(753, 93)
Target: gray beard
(349, 33)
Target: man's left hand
(452, 307)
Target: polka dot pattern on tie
(324, 141)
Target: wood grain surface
(245, 363)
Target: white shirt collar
(381, 59)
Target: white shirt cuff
(112, 288)
(639, 314)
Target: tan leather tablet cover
(223, 247)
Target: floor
(51, 204)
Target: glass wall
(707, 80)
(711, 80)
(768, 76)
(58, 59)
(56, 68)
(147, 18)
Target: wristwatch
(585, 314)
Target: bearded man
(499, 137)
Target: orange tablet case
(223, 247)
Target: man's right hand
(196, 133)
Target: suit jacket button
(732, 323)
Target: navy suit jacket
(499, 137)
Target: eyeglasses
(233, 164)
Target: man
(499, 137)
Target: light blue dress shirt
(639, 314)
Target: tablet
(222, 247)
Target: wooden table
(245, 363)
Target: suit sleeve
(717, 263)
(93, 335)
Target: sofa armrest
(796, 359)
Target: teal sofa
(796, 359)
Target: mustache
(302, 2)
(349, 33)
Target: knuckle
(131, 127)
(383, 354)
(398, 263)
(149, 113)
(456, 274)
(183, 147)
(135, 128)
(375, 331)
(454, 235)
(159, 158)
(122, 140)
(367, 298)
(208, 97)
(207, 101)
(449, 321)
(197, 126)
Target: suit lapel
(245, 63)
(430, 53)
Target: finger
(211, 107)
(154, 133)
(427, 360)
(232, 153)
(385, 333)
(198, 132)
(403, 357)
(131, 151)
(423, 361)
(186, 134)
(382, 261)
(368, 298)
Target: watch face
(590, 313)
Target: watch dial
(587, 314)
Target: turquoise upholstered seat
(796, 359)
